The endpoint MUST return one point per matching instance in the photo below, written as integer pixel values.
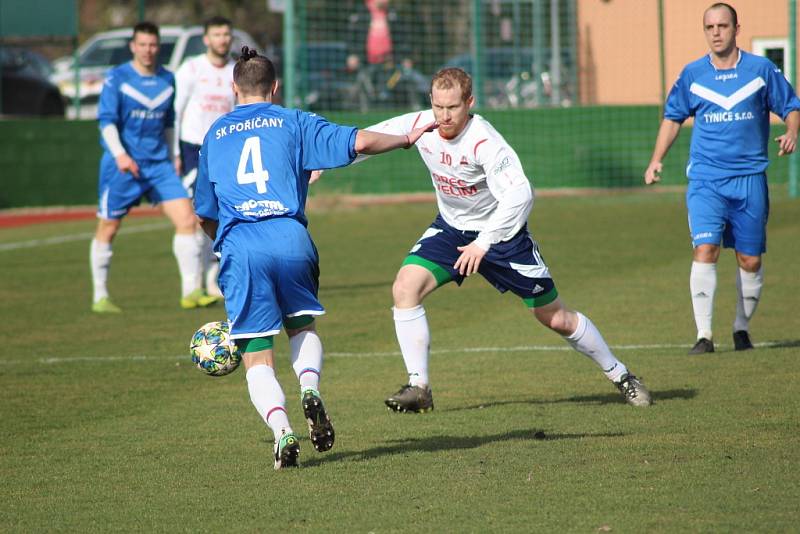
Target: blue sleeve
(325, 145)
(677, 108)
(205, 200)
(780, 94)
(108, 107)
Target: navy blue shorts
(514, 265)
(190, 157)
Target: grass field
(106, 426)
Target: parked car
(325, 84)
(25, 87)
(108, 49)
(509, 80)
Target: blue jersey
(731, 114)
(256, 161)
(141, 107)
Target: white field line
(85, 236)
(529, 348)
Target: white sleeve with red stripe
(508, 184)
(400, 125)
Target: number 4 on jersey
(259, 175)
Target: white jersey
(479, 182)
(203, 93)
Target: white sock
(268, 398)
(210, 264)
(414, 338)
(306, 358)
(100, 261)
(749, 286)
(587, 340)
(187, 252)
(703, 285)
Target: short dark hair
(254, 74)
(729, 8)
(146, 27)
(216, 21)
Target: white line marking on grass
(50, 360)
(85, 236)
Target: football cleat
(320, 428)
(702, 346)
(741, 340)
(411, 399)
(104, 305)
(198, 299)
(287, 449)
(634, 391)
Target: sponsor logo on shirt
(727, 116)
(146, 114)
(453, 187)
(723, 77)
(261, 208)
(503, 165)
(463, 161)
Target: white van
(109, 49)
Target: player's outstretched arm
(787, 142)
(368, 142)
(667, 134)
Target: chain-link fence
(575, 85)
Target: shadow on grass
(447, 443)
(605, 398)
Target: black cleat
(702, 346)
(287, 449)
(320, 428)
(741, 340)
(634, 391)
(411, 399)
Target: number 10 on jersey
(259, 175)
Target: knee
(404, 294)
(706, 253)
(106, 230)
(750, 264)
(559, 320)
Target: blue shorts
(514, 265)
(190, 157)
(733, 211)
(120, 191)
(269, 271)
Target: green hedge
(53, 162)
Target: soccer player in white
(203, 93)
(484, 200)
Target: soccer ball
(213, 351)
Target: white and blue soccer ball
(213, 351)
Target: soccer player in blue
(251, 189)
(730, 93)
(136, 123)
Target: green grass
(106, 426)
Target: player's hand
(414, 135)
(787, 143)
(125, 163)
(178, 166)
(653, 173)
(470, 259)
(315, 175)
